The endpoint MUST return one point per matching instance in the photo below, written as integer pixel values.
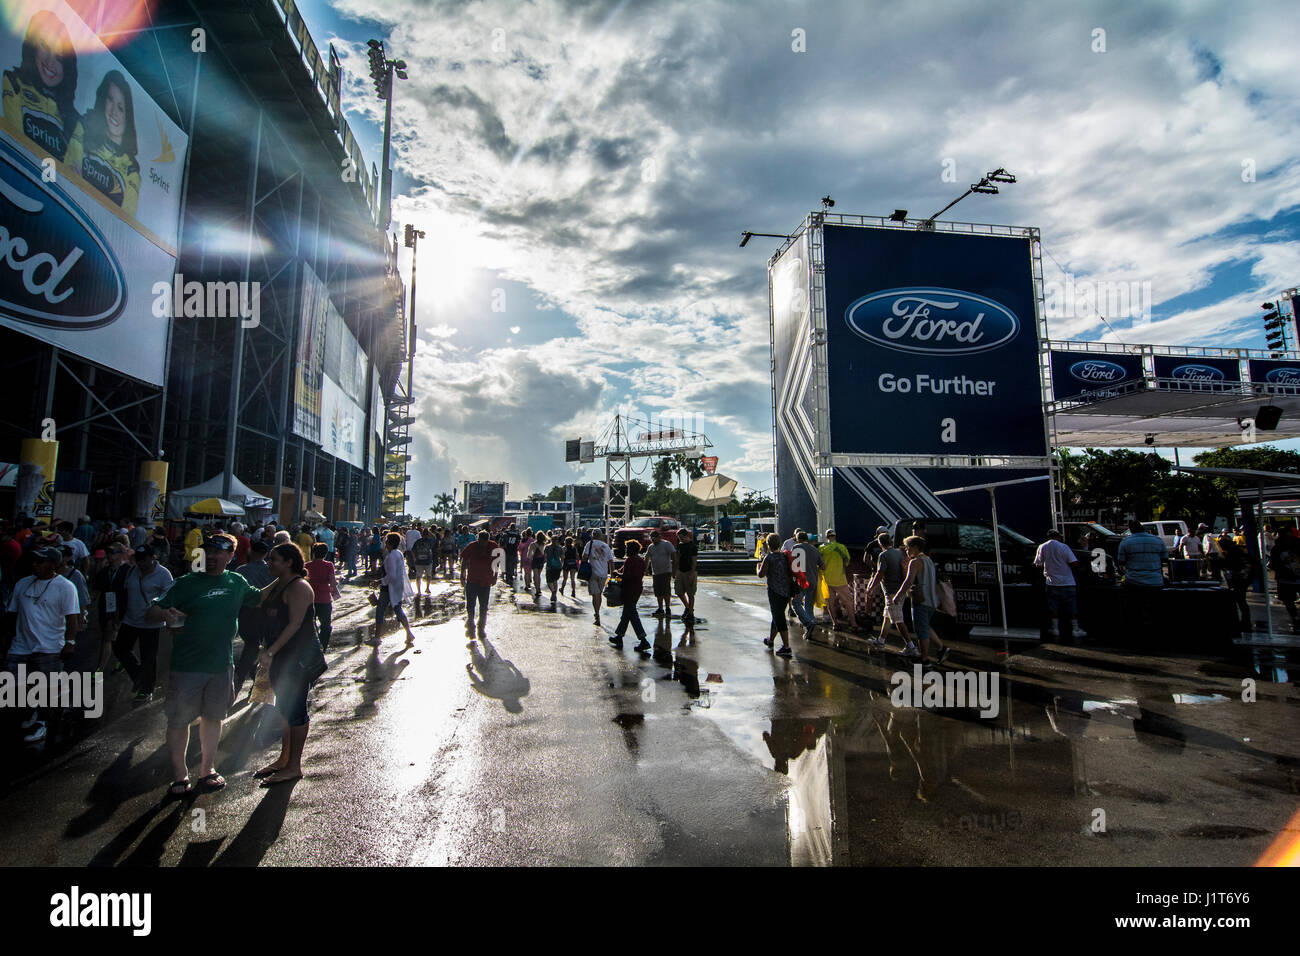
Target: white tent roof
(180, 500)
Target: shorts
(191, 694)
(921, 614)
(686, 582)
(663, 584)
(596, 586)
(1062, 599)
(423, 568)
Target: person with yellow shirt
(836, 557)
(103, 149)
(304, 541)
(38, 95)
(193, 542)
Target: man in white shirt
(598, 554)
(662, 558)
(48, 619)
(1056, 559)
(79, 550)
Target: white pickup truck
(1166, 531)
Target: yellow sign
(37, 462)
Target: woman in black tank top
(294, 655)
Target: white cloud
(606, 156)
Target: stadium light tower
(381, 71)
(1275, 330)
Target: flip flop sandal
(185, 786)
(271, 783)
(213, 781)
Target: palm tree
(443, 504)
(1068, 468)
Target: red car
(640, 530)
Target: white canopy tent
(180, 501)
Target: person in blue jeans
(809, 560)
(922, 579)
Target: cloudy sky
(583, 171)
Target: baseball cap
(140, 552)
(48, 554)
(830, 532)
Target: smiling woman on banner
(38, 95)
(103, 150)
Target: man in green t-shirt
(205, 606)
(836, 557)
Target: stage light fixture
(900, 215)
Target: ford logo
(59, 271)
(1197, 373)
(932, 321)
(1283, 376)
(1097, 370)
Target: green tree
(1122, 480)
(443, 504)
(662, 472)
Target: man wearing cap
(1056, 558)
(143, 584)
(835, 557)
(48, 618)
(687, 573)
(1191, 547)
(204, 605)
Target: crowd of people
(120, 583)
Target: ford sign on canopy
(1093, 375)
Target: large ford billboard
(932, 344)
(90, 184)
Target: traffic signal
(1274, 327)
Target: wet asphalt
(544, 745)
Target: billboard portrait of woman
(38, 94)
(104, 150)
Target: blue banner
(1196, 372)
(1092, 374)
(933, 344)
(1281, 374)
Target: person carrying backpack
(422, 554)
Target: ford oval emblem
(59, 271)
(1283, 376)
(932, 321)
(1098, 370)
(1197, 373)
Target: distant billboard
(484, 497)
(90, 193)
(585, 497)
(330, 379)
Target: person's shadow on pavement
(497, 677)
